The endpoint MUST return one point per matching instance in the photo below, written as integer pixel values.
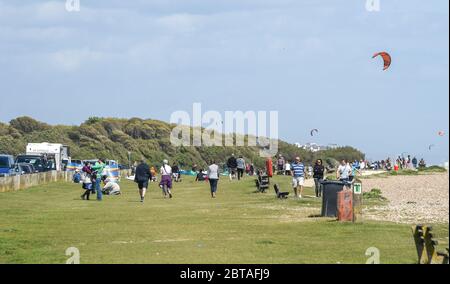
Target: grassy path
(240, 226)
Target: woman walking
(213, 177)
(318, 177)
(166, 179)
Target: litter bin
(330, 191)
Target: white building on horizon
(314, 147)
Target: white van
(54, 151)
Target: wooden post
(357, 202)
(426, 246)
(420, 244)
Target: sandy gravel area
(411, 199)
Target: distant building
(314, 147)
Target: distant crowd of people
(400, 163)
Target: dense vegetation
(112, 138)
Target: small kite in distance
(387, 59)
(441, 133)
(430, 147)
(314, 130)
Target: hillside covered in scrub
(112, 138)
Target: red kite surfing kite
(386, 58)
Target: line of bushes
(113, 138)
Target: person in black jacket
(176, 172)
(142, 178)
(232, 166)
(318, 173)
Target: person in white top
(213, 178)
(344, 171)
(362, 165)
(287, 169)
(166, 179)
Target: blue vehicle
(7, 167)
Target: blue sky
(308, 59)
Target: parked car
(124, 167)
(6, 165)
(92, 161)
(24, 169)
(65, 163)
(38, 161)
(32, 168)
(78, 162)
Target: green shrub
(433, 169)
(93, 120)
(405, 172)
(408, 172)
(27, 124)
(374, 193)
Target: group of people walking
(296, 169)
(298, 173)
(284, 167)
(143, 175)
(346, 173)
(238, 166)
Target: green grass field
(240, 226)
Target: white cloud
(180, 23)
(36, 34)
(72, 60)
(51, 11)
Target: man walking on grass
(240, 167)
(298, 177)
(232, 166)
(142, 178)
